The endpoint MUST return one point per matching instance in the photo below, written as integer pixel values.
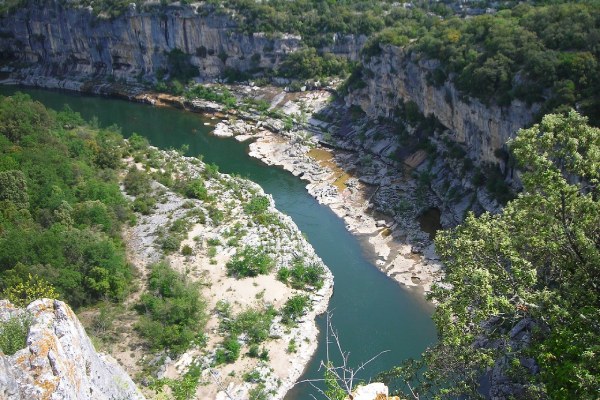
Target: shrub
(170, 243)
(249, 262)
(144, 204)
(137, 182)
(257, 205)
(174, 312)
(294, 308)
(302, 276)
(195, 189)
(13, 334)
(230, 351)
(186, 250)
(255, 324)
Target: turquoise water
(371, 312)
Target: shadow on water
(370, 311)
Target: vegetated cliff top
(530, 51)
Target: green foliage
(195, 189)
(333, 390)
(526, 53)
(255, 324)
(219, 95)
(230, 351)
(536, 263)
(250, 261)
(306, 64)
(173, 312)
(259, 392)
(257, 205)
(20, 117)
(13, 187)
(138, 142)
(186, 250)
(23, 293)
(13, 334)
(302, 276)
(185, 388)
(137, 182)
(294, 308)
(61, 204)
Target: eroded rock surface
(59, 361)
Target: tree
(13, 187)
(521, 288)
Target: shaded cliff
(53, 40)
(59, 361)
(396, 76)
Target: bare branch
(343, 374)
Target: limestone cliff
(397, 76)
(59, 361)
(53, 40)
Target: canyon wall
(53, 40)
(397, 76)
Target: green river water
(371, 312)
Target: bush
(137, 182)
(294, 308)
(170, 243)
(195, 189)
(302, 276)
(255, 324)
(174, 313)
(257, 205)
(66, 228)
(23, 293)
(13, 334)
(186, 250)
(249, 262)
(144, 204)
(230, 351)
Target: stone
(482, 129)
(59, 361)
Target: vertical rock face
(59, 41)
(59, 361)
(397, 77)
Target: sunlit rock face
(55, 41)
(59, 360)
(396, 76)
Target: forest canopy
(61, 208)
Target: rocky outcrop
(59, 361)
(57, 41)
(397, 76)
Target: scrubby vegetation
(250, 261)
(302, 276)
(520, 291)
(173, 312)
(61, 207)
(13, 334)
(294, 308)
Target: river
(370, 311)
